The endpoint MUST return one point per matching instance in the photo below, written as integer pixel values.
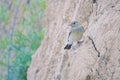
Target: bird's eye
(74, 23)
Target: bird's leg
(79, 42)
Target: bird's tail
(68, 46)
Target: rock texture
(101, 20)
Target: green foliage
(15, 2)
(4, 15)
(24, 45)
(27, 37)
(4, 42)
(43, 4)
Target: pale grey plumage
(75, 34)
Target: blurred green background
(21, 33)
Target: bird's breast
(77, 36)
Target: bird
(75, 34)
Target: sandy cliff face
(101, 20)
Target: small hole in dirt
(94, 1)
(37, 70)
(113, 6)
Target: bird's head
(74, 24)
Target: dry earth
(101, 20)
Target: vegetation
(22, 35)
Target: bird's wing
(69, 36)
